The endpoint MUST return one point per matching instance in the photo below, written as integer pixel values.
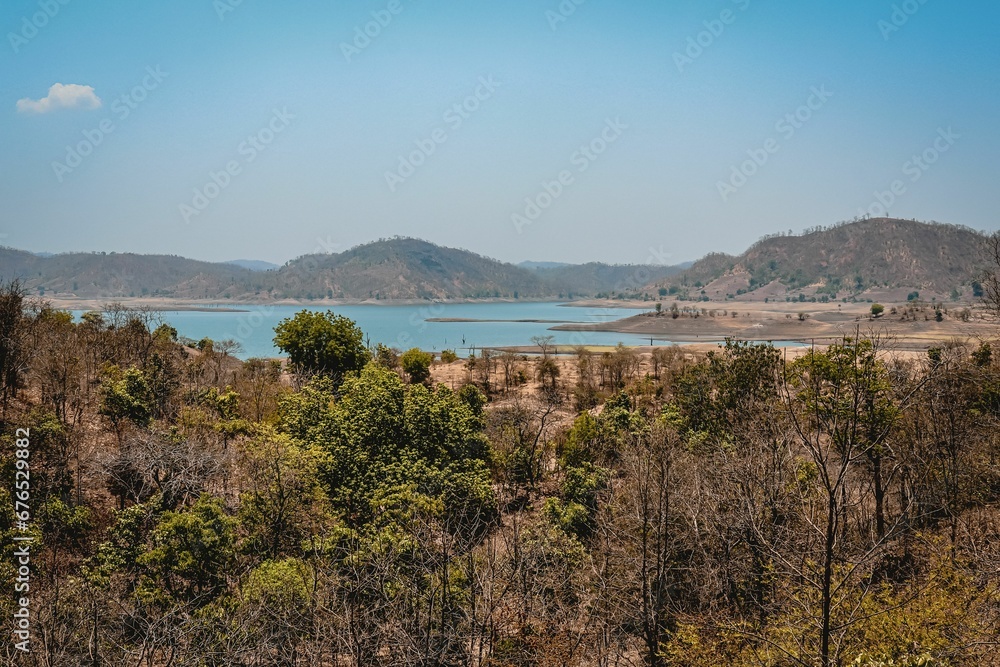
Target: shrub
(417, 364)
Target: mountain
(254, 264)
(397, 269)
(880, 256)
(404, 268)
(115, 275)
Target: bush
(417, 364)
(386, 357)
(983, 356)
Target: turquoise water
(407, 326)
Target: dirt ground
(458, 373)
(906, 325)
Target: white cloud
(62, 96)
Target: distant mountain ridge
(869, 258)
(110, 275)
(389, 269)
(875, 255)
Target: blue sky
(248, 129)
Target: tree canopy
(322, 344)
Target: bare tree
(842, 413)
(150, 462)
(644, 521)
(623, 365)
(991, 276)
(259, 385)
(14, 352)
(520, 429)
(544, 345)
(510, 362)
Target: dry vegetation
(911, 325)
(676, 506)
(881, 258)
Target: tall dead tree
(991, 275)
(13, 341)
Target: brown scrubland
(735, 504)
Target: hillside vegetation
(109, 275)
(398, 268)
(869, 257)
(406, 269)
(848, 259)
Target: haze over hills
(876, 256)
(869, 257)
(254, 264)
(541, 265)
(596, 278)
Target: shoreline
(166, 304)
(785, 324)
(904, 326)
(470, 320)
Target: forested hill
(874, 255)
(865, 257)
(399, 268)
(99, 275)
(404, 268)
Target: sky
(560, 130)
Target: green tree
(719, 399)
(877, 309)
(164, 332)
(381, 434)
(126, 397)
(283, 500)
(417, 364)
(983, 355)
(322, 344)
(283, 585)
(190, 554)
